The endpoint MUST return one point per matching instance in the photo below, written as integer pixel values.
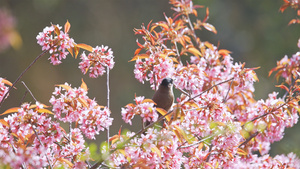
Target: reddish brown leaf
(3, 122)
(294, 21)
(6, 82)
(141, 56)
(44, 111)
(65, 87)
(76, 51)
(67, 26)
(83, 85)
(85, 47)
(11, 110)
(283, 87)
(209, 27)
(224, 52)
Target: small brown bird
(164, 97)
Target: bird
(163, 96)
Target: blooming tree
(214, 123)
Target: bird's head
(167, 82)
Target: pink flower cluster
(97, 61)
(30, 137)
(144, 107)
(288, 68)
(154, 149)
(3, 89)
(56, 41)
(153, 69)
(279, 161)
(73, 105)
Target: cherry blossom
(97, 61)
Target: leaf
(67, 26)
(65, 87)
(85, 104)
(70, 164)
(283, 87)
(114, 139)
(294, 21)
(85, 47)
(141, 56)
(207, 15)
(209, 45)
(180, 133)
(6, 82)
(224, 52)
(175, 60)
(137, 51)
(164, 112)
(200, 146)
(11, 110)
(209, 27)
(76, 51)
(83, 85)
(241, 152)
(3, 122)
(70, 51)
(56, 30)
(156, 150)
(194, 51)
(148, 100)
(44, 111)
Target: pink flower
(73, 105)
(3, 89)
(57, 43)
(154, 69)
(143, 108)
(97, 61)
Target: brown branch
(211, 88)
(246, 141)
(29, 91)
(21, 75)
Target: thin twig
(23, 98)
(198, 142)
(37, 136)
(211, 88)
(29, 91)
(209, 153)
(70, 128)
(193, 31)
(177, 52)
(225, 98)
(21, 75)
(252, 136)
(182, 91)
(108, 93)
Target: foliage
(215, 123)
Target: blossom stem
(211, 88)
(29, 91)
(108, 92)
(225, 98)
(37, 136)
(250, 138)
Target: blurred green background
(254, 30)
